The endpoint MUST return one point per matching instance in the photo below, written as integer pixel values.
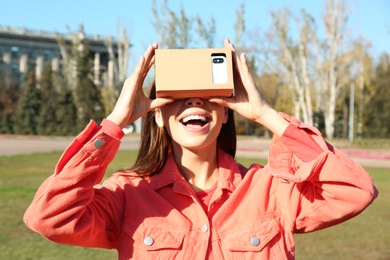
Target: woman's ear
(226, 116)
(158, 117)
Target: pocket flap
(253, 237)
(152, 237)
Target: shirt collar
(169, 174)
(229, 173)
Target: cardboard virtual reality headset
(183, 73)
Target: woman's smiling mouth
(195, 121)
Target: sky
(369, 18)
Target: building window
(15, 69)
(31, 54)
(47, 55)
(15, 52)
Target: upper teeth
(194, 117)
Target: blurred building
(22, 50)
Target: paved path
(246, 147)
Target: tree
(117, 64)
(377, 114)
(273, 91)
(206, 33)
(66, 113)
(47, 122)
(9, 95)
(29, 106)
(364, 83)
(331, 80)
(79, 78)
(176, 30)
(173, 30)
(292, 59)
(239, 28)
(86, 96)
(110, 90)
(314, 70)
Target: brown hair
(156, 142)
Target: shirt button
(204, 228)
(148, 241)
(255, 241)
(98, 143)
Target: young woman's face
(192, 123)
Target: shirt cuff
(300, 143)
(111, 129)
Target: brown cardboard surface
(181, 73)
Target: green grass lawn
(365, 237)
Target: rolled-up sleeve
(324, 191)
(67, 208)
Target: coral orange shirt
(252, 214)
(296, 140)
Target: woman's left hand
(247, 99)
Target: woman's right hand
(132, 102)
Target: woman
(186, 197)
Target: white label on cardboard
(219, 68)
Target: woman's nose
(194, 102)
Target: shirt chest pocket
(153, 238)
(251, 241)
(156, 237)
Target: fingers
(140, 66)
(149, 55)
(244, 70)
(227, 43)
(159, 102)
(221, 101)
(239, 62)
(237, 66)
(151, 63)
(148, 58)
(145, 62)
(240, 67)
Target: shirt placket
(199, 219)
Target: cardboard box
(183, 73)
